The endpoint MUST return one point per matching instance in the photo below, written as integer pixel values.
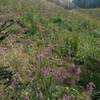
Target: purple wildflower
(90, 87)
(26, 98)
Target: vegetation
(48, 52)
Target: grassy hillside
(48, 52)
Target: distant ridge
(65, 3)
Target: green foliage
(69, 45)
(42, 88)
(88, 48)
(30, 21)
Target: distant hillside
(65, 3)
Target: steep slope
(45, 61)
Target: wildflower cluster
(69, 75)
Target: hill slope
(47, 52)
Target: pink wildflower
(26, 98)
(72, 66)
(78, 71)
(90, 87)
